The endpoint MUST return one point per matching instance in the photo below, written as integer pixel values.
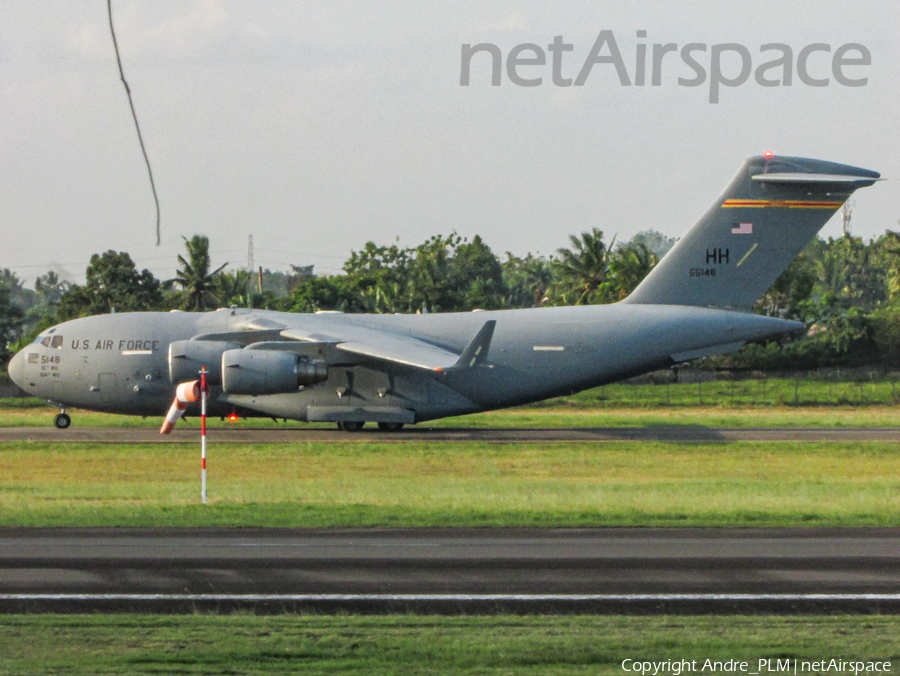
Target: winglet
(476, 352)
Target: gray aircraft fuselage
(118, 363)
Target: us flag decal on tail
(743, 229)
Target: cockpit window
(55, 342)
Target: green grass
(411, 645)
(452, 484)
(808, 391)
(708, 416)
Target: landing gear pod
(186, 357)
(269, 372)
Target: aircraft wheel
(350, 425)
(62, 421)
(390, 427)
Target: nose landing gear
(62, 420)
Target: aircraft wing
(403, 350)
(397, 348)
(364, 341)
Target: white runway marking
(449, 597)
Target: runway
(451, 570)
(289, 435)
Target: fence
(709, 388)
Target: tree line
(846, 291)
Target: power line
(137, 127)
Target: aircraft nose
(16, 369)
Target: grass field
(409, 645)
(801, 391)
(452, 484)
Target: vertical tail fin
(766, 216)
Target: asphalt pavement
(451, 570)
(422, 433)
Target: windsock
(185, 394)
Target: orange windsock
(185, 393)
(188, 392)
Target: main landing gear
(62, 420)
(390, 427)
(350, 425)
(356, 426)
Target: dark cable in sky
(134, 116)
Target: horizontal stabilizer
(835, 180)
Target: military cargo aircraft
(399, 369)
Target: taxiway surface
(452, 570)
(282, 435)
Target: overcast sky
(316, 126)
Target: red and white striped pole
(203, 435)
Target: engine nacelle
(269, 371)
(186, 357)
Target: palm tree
(527, 280)
(233, 288)
(892, 247)
(197, 282)
(628, 267)
(584, 269)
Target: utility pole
(846, 215)
(250, 266)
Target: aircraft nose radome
(16, 369)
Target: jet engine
(251, 371)
(187, 356)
